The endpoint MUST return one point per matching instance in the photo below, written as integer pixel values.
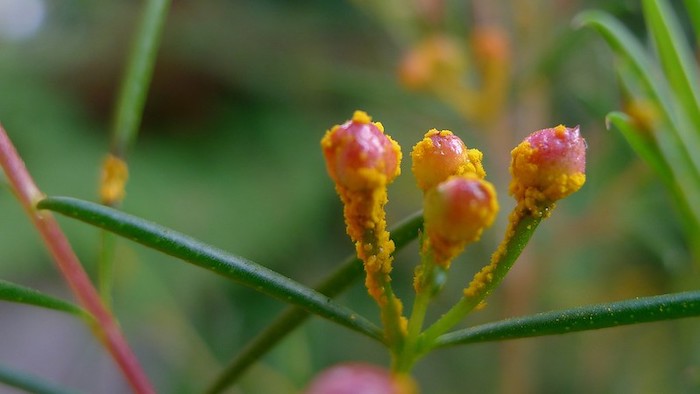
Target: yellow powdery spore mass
(114, 175)
(362, 117)
(483, 278)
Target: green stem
(519, 232)
(105, 274)
(425, 290)
(348, 272)
(137, 78)
(391, 316)
(128, 113)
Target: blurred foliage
(229, 153)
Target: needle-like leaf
(15, 293)
(593, 317)
(213, 259)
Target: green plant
(529, 211)
(661, 121)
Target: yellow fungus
(115, 173)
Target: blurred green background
(229, 153)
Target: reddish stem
(105, 325)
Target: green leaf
(642, 144)
(29, 383)
(16, 293)
(347, 272)
(213, 259)
(593, 317)
(679, 144)
(676, 57)
(137, 78)
(693, 8)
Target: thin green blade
(675, 56)
(213, 259)
(15, 293)
(593, 317)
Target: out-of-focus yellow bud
(437, 60)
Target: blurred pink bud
(358, 378)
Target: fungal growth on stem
(362, 161)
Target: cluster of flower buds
(458, 205)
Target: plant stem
(424, 287)
(105, 274)
(105, 326)
(127, 118)
(520, 229)
(347, 272)
(134, 87)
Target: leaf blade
(677, 141)
(592, 317)
(233, 267)
(641, 145)
(675, 56)
(30, 383)
(13, 292)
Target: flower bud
(456, 212)
(357, 378)
(436, 61)
(547, 166)
(359, 156)
(440, 155)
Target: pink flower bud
(440, 155)
(456, 212)
(357, 378)
(548, 165)
(359, 156)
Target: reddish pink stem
(105, 324)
